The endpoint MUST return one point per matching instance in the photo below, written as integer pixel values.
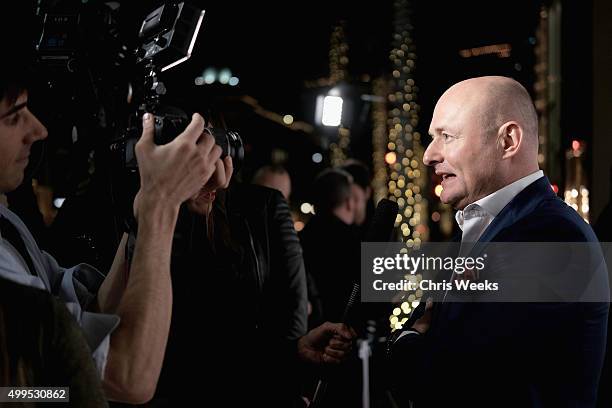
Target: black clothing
(239, 304)
(332, 259)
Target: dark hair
(359, 171)
(331, 188)
(16, 70)
(12, 84)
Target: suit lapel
(519, 207)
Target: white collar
(492, 204)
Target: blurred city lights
(390, 158)
(58, 202)
(210, 75)
(438, 190)
(306, 208)
(225, 75)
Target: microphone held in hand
(351, 301)
(317, 399)
(380, 231)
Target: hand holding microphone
(380, 231)
(330, 343)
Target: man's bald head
(497, 100)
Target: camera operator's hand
(222, 175)
(201, 202)
(176, 171)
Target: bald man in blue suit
(485, 146)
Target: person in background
(332, 260)
(276, 177)
(360, 189)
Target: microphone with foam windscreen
(381, 230)
(383, 221)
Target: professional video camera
(167, 37)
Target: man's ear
(510, 138)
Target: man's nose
(432, 154)
(37, 130)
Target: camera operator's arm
(169, 175)
(111, 290)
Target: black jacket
(239, 304)
(332, 258)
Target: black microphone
(380, 230)
(383, 221)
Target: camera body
(169, 123)
(167, 36)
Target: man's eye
(446, 137)
(14, 119)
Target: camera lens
(231, 144)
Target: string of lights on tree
(338, 64)
(380, 88)
(407, 180)
(338, 54)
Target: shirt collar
(492, 204)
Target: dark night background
(276, 51)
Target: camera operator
(125, 318)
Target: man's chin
(6, 186)
(453, 201)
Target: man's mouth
(445, 176)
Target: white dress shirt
(476, 217)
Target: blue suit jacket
(509, 354)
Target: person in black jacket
(238, 276)
(538, 354)
(332, 259)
